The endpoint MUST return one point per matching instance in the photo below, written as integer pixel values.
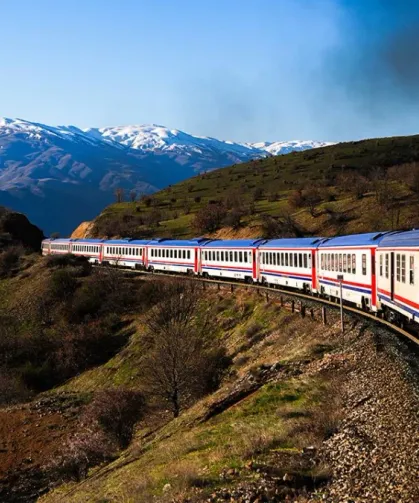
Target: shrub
(209, 218)
(9, 260)
(116, 411)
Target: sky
(242, 70)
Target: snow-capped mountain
(285, 147)
(177, 145)
(60, 175)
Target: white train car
(90, 248)
(124, 253)
(182, 256)
(397, 260)
(289, 262)
(231, 259)
(56, 246)
(353, 259)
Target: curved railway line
(299, 295)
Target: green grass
(280, 175)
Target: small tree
(133, 195)
(210, 217)
(119, 194)
(312, 198)
(183, 358)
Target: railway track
(299, 295)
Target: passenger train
(378, 271)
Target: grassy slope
(192, 454)
(278, 175)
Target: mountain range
(60, 175)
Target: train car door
(392, 275)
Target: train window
(353, 263)
(222, 256)
(387, 265)
(295, 259)
(218, 256)
(344, 262)
(235, 256)
(189, 254)
(364, 264)
(291, 260)
(403, 271)
(411, 270)
(300, 260)
(274, 257)
(282, 259)
(286, 259)
(305, 260)
(398, 267)
(240, 257)
(381, 266)
(340, 262)
(322, 260)
(333, 262)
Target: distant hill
(62, 175)
(343, 188)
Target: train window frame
(300, 260)
(364, 264)
(398, 267)
(340, 262)
(381, 265)
(353, 263)
(403, 268)
(189, 254)
(322, 257)
(344, 261)
(305, 260)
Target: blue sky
(243, 70)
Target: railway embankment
(303, 414)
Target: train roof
(126, 242)
(292, 243)
(367, 239)
(400, 239)
(87, 241)
(233, 243)
(178, 242)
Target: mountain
(61, 175)
(285, 147)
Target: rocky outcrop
(15, 229)
(82, 231)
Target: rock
(288, 477)
(167, 488)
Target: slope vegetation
(343, 188)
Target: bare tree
(183, 358)
(133, 195)
(312, 198)
(119, 194)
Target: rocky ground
(373, 455)
(30, 435)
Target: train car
(175, 255)
(353, 259)
(46, 246)
(231, 259)
(90, 248)
(397, 260)
(124, 253)
(289, 262)
(56, 246)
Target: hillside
(344, 188)
(60, 175)
(264, 403)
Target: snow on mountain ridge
(285, 147)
